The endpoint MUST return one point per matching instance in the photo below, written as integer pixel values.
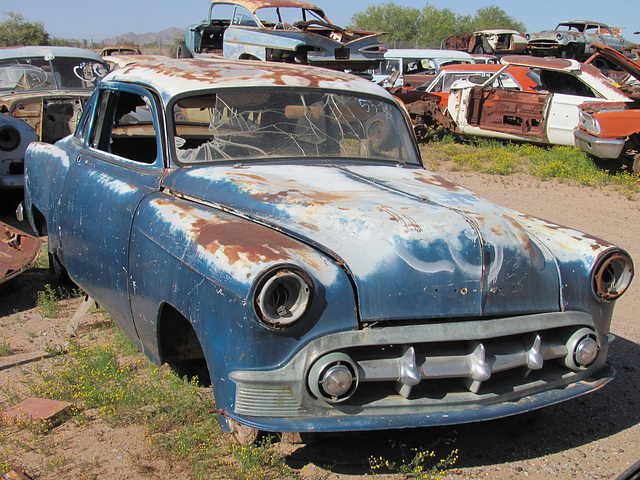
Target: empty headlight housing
(612, 275)
(9, 138)
(282, 297)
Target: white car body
(548, 116)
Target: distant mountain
(164, 37)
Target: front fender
(205, 263)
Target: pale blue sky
(99, 20)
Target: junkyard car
(45, 88)
(118, 61)
(547, 116)
(120, 50)
(430, 100)
(282, 31)
(18, 250)
(572, 39)
(415, 66)
(611, 131)
(493, 41)
(270, 227)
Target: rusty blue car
(271, 229)
(290, 31)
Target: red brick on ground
(36, 410)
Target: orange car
(612, 130)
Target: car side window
(125, 126)
(564, 83)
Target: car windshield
(284, 123)
(271, 16)
(50, 72)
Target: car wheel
(636, 163)
(479, 50)
(57, 270)
(569, 52)
(183, 51)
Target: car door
(568, 91)
(122, 161)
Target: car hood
(414, 244)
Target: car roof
(254, 5)
(42, 51)
(474, 67)
(583, 22)
(426, 53)
(172, 76)
(498, 31)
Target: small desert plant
(47, 302)
(5, 346)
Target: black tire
(57, 270)
(479, 50)
(636, 163)
(183, 51)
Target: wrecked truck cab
(289, 31)
(271, 229)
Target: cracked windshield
(250, 125)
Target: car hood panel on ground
(444, 251)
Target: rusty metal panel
(508, 111)
(18, 250)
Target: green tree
(494, 17)
(435, 24)
(400, 22)
(428, 27)
(16, 31)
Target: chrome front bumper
(598, 147)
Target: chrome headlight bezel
(589, 123)
(282, 297)
(611, 275)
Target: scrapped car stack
(271, 229)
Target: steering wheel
(27, 76)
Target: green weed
(565, 164)
(47, 302)
(5, 346)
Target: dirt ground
(593, 437)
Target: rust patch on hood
(244, 241)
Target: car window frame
(171, 144)
(151, 99)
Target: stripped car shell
(420, 101)
(284, 241)
(45, 88)
(546, 116)
(289, 31)
(492, 41)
